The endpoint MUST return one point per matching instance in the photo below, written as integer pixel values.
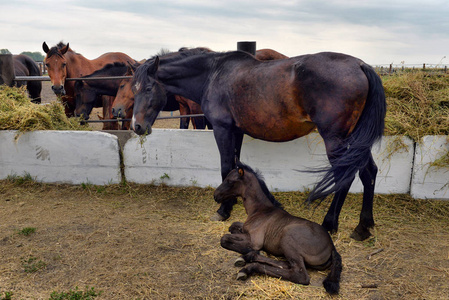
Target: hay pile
(18, 113)
(418, 104)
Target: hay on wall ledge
(17, 112)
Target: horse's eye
(64, 65)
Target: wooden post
(6, 69)
(249, 47)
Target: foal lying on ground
(272, 229)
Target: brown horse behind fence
(62, 63)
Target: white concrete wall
(191, 158)
(61, 156)
(187, 157)
(430, 182)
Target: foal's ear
(241, 172)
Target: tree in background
(36, 56)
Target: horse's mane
(261, 181)
(107, 68)
(140, 75)
(55, 49)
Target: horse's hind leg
(368, 178)
(330, 222)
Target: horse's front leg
(229, 141)
(238, 242)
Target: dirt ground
(157, 242)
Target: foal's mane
(261, 181)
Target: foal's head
(237, 183)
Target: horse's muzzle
(141, 130)
(58, 90)
(118, 113)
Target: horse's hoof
(360, 236)
(240, 262)
(242, 276)
(217, 217)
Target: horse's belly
(278, 131)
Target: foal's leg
(297, 272)
(236, 227)
(255, 256)
(368, 178)
(238, 242)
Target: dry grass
(156, 242)
(418, 104)
(18, 113)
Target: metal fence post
(249, 47)
(6, 69)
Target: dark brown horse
(26, 66)
(124, 101)
(62, 63)
(270, 228)
(278, 100)
(123, 104)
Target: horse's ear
(64, 50)
(154, 66)
(131, 68)
(241, 172)
(45, 47)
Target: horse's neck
(185, 79)
(76, 65)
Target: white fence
(190, 157)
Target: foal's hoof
(242, 276)
(239, 262)
(218, 217)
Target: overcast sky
(378, 32)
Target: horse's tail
(354, 152)
(332, 282)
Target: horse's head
(85, 99)
(149, 97)
(123, 104)
(57, 66)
